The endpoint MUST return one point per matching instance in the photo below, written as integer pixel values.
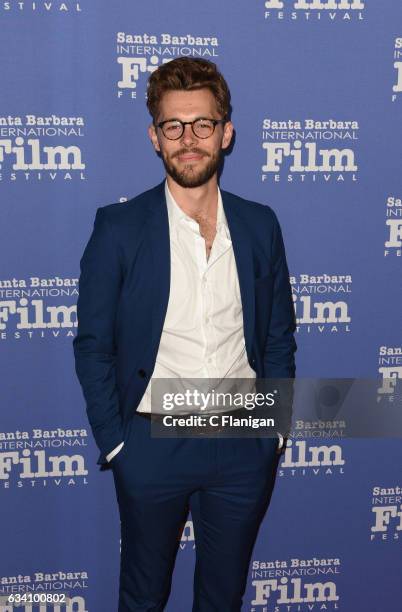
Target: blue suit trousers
(226, 482)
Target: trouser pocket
(126, 439)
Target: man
(183, 281)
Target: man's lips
(190, 156)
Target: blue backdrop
(317, 97)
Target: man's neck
(199, 203)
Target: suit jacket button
(142, 373)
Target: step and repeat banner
(317, 104)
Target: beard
(189, 176)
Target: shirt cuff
(280, 436)
(114, 452)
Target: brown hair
(188, 74)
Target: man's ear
(228, 129)
(153, 137)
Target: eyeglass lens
(201, 128)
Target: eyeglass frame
(184, 123)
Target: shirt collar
(177, 214)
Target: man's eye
(172, 127)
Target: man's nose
(188, 136)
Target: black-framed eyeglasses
(173, 129)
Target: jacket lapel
(243, 253)
(159, 240)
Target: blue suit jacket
(123, 297)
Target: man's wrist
(282, 443)
(114, 452)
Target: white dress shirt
(203, 335)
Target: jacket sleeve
(94, 346)
(280, 348)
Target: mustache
(187, 151)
